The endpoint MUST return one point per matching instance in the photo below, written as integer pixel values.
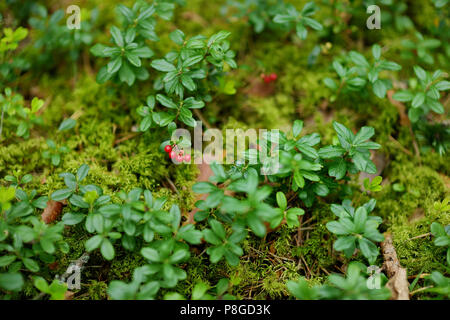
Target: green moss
(96, 290)
(410, 214)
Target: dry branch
(398, 283)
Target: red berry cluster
(176, 154)
(269, 78)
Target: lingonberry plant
(260, 13)
(130, 42)
(26, 242)
(442, 237)
(360, 74)
(54, 152)
(126, 55)
(420, 47)
(189, 77)
(441, 284)
(9, 60)
(356, 229)
(54, 38)
(277, 15)
(353, 286)
(235, 198)
(300, 21)
(18, 115)
(202, 291)
(424, 93)
(289, 204)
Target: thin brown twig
(421, 276)
(420, 236)
(203, 120)
(172, 185)
(128, 137)
(398, 144)
(419, 290)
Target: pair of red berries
(177, 155)
(269, 78)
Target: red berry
(187, 158)
(168, 148)
(173, 154)
(273, 76)
(179, 158)
(267, 79)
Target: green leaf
(418, 100)
(312, 23)
(360, 219)
(379, 89)
(67, 124)
(338, 169)
(403, 96)
(117, 36)
(7, 260)
(344, 134)
(188, 120)
(218, 229)
(165, 101)
(376, 51)
(143, 52)
(192, 60)
(331, 152)
(145, 123)
(436, 106)
(203, 187)
(363, 135)
(11, 281)
(30, 264)
(443, 85)
(344, 243)
(437, 230)
(188, 82)
(281, 200)
(301, 31)
(368, 249)
(389, 65)
(256, 225)
(150, 254)
(93, 243)
(330, 83)
(359, 59)
(107, 249)
(82, 172)
(163, 65)
(177, 36)
(189, 234)
(126, 74)
(339, 69)
(41, 284)
(61, 194)
(114, 65)
(337, 228)
(297, 128)
(420, 73)
(133, 59)
(71, 218)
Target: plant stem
(1, 122)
